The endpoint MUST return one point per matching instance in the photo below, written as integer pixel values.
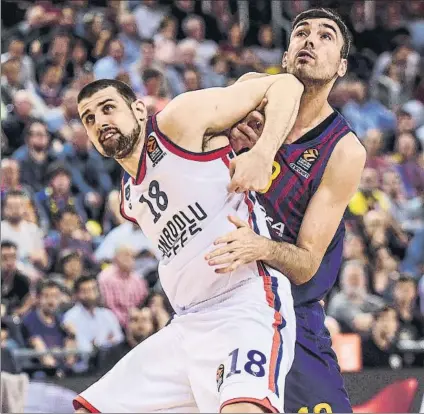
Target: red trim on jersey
(226, 161)
(80, 402)
(188, 155)
(270, 299)
(265, 403)
(121, 206)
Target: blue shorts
(314, 383)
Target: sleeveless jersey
(297, 172)
(180, 201)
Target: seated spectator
(368, 196)
(407, 164)
(149, 15)
(373, 143)
(160, 307)
(112, 217)
(15, 290)
(58, 119)
(51, 85)
(89, 176)
(152, 80)
(69, 234)
(217, 75)
(111, 65)
(140, 326)
(267, 52)
(18, 120)
(120, 286)
(10, 80)
(71, 267)
(352, 307)
(129, 37)
(165, 41)
(364, 113)
(35, 156)
(385, 273)
(94, 326)
(10, 178)
(27, 236)
(43, 329)
(57, 195)
(192, 80)
(354, 249)
(411, 321)
(379, 349)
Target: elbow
(293, 84)
(308, 272)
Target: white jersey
(181, 202)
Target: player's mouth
(110, 133)
(305, 55)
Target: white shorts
(236, 348)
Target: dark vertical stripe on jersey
(122, 209)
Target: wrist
(268, 250)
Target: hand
(242, 246)
(247, 132)
(250, 171)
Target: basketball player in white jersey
(231, 343)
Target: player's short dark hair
(83, 279)
(323, 13)
(121, 87)
(7, 244)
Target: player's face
(313, 55)
(111, 124)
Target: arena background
(60, 203)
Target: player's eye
(89, 119)
(107, 108)
(326, 36)
(301, 33)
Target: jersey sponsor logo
(276, 227)
(180, 229)
(154, 151)
(220, 376)
(305, 162)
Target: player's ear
(342, 68)
(140, 110)
(284, 61)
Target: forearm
(27, 303)
(280, 115)
(297, 264)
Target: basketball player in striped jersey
(231, 343)
(316, 172)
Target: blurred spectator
(405, 302)
(217, 76)
(69, 234)
(120, 286)
(27, 236)
(10, 80)
(379, 350)
(267, 52)
(57, 195)
(15, 286)
(233, 47)
(194, 28)
(10, 178)
(114, 63)
(89, 176)
(373, 142)
(140, 326)
(152, 80)
(165, 41)
(43, 329)
(160, 307)
(16, 49)
(129, 38)
(70, 265)
(192, 80)
(58, 119)
(353, 306)
(94, 326)
(50, 87)
(18, 120)
(385, 273)
(354, 249)
(148, 16)
(35, 156)
(364, 113)
(80, 59)
(112, 217)
(407, 164)
(413, 262)
(368, 196)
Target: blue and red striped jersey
(297, 172)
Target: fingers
(248, 132)
(231, 268)
(226, 259)
(219, 252)
(237, 222)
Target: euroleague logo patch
(220, 376)
(154, 151)
(305, 162)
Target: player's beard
(123, 145)
(310, 76)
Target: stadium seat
(395, 398)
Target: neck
(313, 109)
(46, 317)
(130, 163)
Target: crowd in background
(77, 276)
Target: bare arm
(191, 116)
(27, 303)
(301, 261)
